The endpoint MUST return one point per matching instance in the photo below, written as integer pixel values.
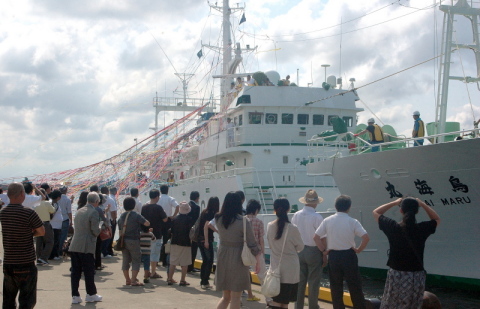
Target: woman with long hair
(82, 199)
(280, 232)
(232, 277)
(405, 282)
(205, 240)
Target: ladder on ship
(265, 196)
(449, 45)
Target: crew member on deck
(375, 132)
(418, 129)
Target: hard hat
(371, 120)
(416, 113)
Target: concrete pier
(54, 290)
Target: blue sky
(77, 79)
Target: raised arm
(432, 214)
(377, 212)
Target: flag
(200, 54)
(243, 19)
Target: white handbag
(248, 258)
(271, 283)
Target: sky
(77, 78)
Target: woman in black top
(180, 250)
(406, 277)
(205, 240)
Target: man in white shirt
(311, 257)
(110, 212)
(250, 81)
(32, 200)
(171, 208)
(65, 205)
(138, 204)
(338, 233)
(4, 198)
(113, 217)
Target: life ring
(271, 119)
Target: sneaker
(146, 280)
(57, 258)
(76, 300)
(206, 286)
(42, 262)
(107, 256)
(93, 298)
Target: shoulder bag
(193, 234)
(248, 258)
(120, 245)
(105, 232)
(271, 283)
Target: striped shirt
(146, 242)
(18, 222)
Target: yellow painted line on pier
(324, 293)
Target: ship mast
(464, 9)
(229, 63)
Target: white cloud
(77, 79)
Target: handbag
(120, 245)
(193, 234)
(168, 247)
(271, 283)
(248, 258)
(105, 233)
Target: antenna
(325, 66)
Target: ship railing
(175, 101)
(334, 146)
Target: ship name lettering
(429, 203)
(455, 201)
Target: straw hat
(184, 208)
(311, 197)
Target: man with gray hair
(82, 249)
(19, 225)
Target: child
(146, 239)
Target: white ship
(264, 152)
(445, 174)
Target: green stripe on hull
(432, 280)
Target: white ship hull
(445, 176)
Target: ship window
(255, 118)
(244, 99)
(285, 159)
(348, 121)
(287, 118)
(302, 119)
(240, 120)
(330, 117)
(318, 120)
(270, 118)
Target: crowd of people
(165, 232)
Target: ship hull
(445, 176)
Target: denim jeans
(20, 278)
(207, 262)
(56, 241)
(63, 236)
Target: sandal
(254, 298)
(128, 282)
(184, 283)
(137, 283)
(170, 282)
(156, 276)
